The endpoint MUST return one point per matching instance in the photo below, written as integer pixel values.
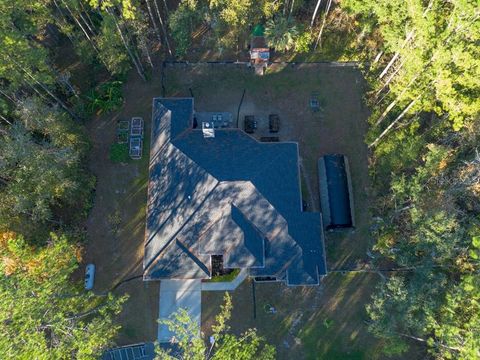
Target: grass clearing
(298, 326)
(116, 225)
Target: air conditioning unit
(208, 129)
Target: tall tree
(112, 50)
(430, 229)
(426, 42)
(41, 168)
(182, 23)
(223, 345)
(43, 315)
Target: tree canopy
(43, 314)
(41, 168)
(434, 61)
(281, 33)
(425, 170)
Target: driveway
(177, 294)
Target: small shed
(259, 50)
(336, 197)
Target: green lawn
(325, 322)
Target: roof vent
(208, 129)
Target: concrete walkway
(176, 294)
(226, 286)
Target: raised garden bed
(136, 148)
(123, 126)
(136, 128)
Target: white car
(89, 276)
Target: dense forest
(421, 59)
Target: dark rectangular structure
(336, 198)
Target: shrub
(227, 277)
(105, 97)
(304, 41)
(119, 153)
(281, 33)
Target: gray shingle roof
(228, 195)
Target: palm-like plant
(281, 33)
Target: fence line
(246, 63)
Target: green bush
(122, 137)
(105, 97)
(227, 277)
(282, 33)
(119, 153)
(304, 41)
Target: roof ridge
(182, 133)
(185, 250)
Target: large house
(221, 192)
